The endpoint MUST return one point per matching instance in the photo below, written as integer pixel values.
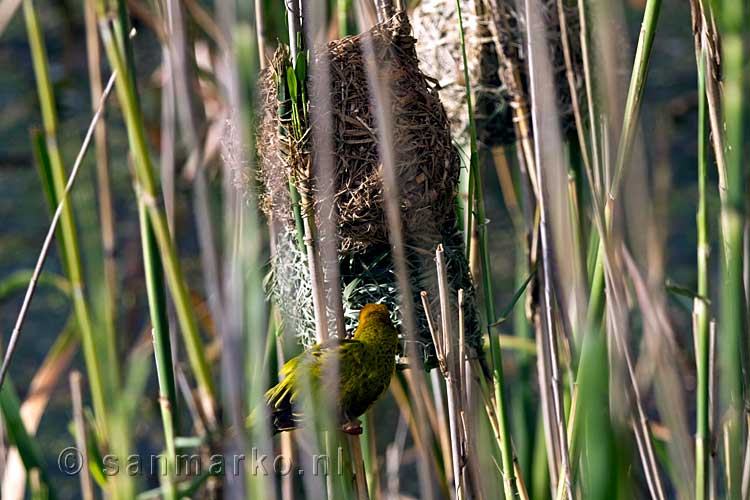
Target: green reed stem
(157, 303)
(629, 127)
(731, 17)
(144, 172)
(593, 368)
(635, 91)
(476, 193)
(702, 433)
(100, 382)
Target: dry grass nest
(426, 163)
(426, 166)
(493, 29)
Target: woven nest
(427, 169)
(439, 48)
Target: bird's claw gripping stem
(353, 427)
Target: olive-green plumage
(366, 363)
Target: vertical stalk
(475, 194)
(629, 127)
(700, 308)
(342, 12)
(360, 476)
(731, 17)
(106, 212)
(592, 365)
(99, 382)
(635, 91)
(474, 155)
(87, 488)
(449, 365)
(302, 203)
(144, 169)
(157, 302)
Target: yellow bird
(365, 365)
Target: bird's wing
(314, 362)
(341, 362)
(278, 393)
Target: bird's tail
(283, 417)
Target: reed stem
(733, 326)
(476, 196)
(700, 306)
(100, 382)
(144, 171)
(157, 302)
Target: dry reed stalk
(707, 38)
(104, 192)
(373, 471)
(540, 81)
(469, 417)
(552, 445)
(443, 430)
(452, 367)
(324, 172)
(87, 488)
(360, 476)
(260, 32)
(453, 383)
(572, 87)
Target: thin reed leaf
(162, 347)
(28, 448)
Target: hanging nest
(439, 49)
(496, 54)
(427, 169)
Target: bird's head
(375, 326)
(374, 312)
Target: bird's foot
(353, 427)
